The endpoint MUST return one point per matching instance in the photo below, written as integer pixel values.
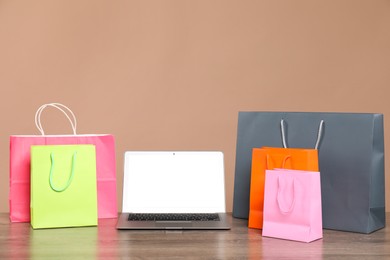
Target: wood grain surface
(19, 241)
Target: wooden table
(18, 240)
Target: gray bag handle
(319, 134)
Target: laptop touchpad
(173, 224)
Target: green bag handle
(52, 171)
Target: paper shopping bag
(63, 186)
(19, 194)
(270, 158)
(292, 205)
(351, 162)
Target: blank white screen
(186, 182)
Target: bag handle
(64, 109)
(279, 197)
(319, 134)
(287, 157)
(52, 172)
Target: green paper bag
(63, 186)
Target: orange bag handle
(283, 163)
(319, 134)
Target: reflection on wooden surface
(18, 240)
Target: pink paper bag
(292, 205)
(19, 193)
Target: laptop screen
(174, 182)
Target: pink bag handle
(280, 199)
(64, 109)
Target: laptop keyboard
(173, 217)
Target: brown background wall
(173, 74)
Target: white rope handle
(319, 134)
(283, 133)
(64, 109)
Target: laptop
(173, 190)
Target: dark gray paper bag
(351, 161)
